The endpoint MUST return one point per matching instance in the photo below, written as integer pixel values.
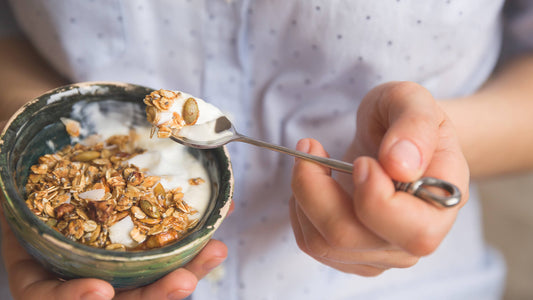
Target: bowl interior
(37, 125)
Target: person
(402, 89)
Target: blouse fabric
(285, 70)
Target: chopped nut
(63, 209)
(99, 211)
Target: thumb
(413, 131)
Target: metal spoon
(448, 194)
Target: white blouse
(286, 70)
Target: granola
(82, 191)
(160, 102)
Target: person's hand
(402, 134)
(29, 280)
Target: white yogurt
(163, 157)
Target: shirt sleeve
(8, 25)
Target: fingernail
(303, 145)
(406, 154)
(360, 172)
(94, 295)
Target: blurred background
(508, 216)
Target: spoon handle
(448, 194)
(331, 163)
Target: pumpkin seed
(86, 156)
(190, 111)
(150, 209)
(151, 115)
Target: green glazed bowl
(26, 137)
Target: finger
(72, 289)
(449, 163)
(354, 269)
(214, 253)
(29, 280)
(182, 282)
(312, 243)
(326, 204)
(420, 132)
(399, 218)
(413, 120)
(178, 284)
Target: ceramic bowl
(27, 136)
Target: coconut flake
(119, 233)
(93, 195)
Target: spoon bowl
(219, 125)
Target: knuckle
(402, 90)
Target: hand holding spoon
(224, 132)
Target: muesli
(93, 194)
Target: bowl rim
(14, 201)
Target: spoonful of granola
(176, 115)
